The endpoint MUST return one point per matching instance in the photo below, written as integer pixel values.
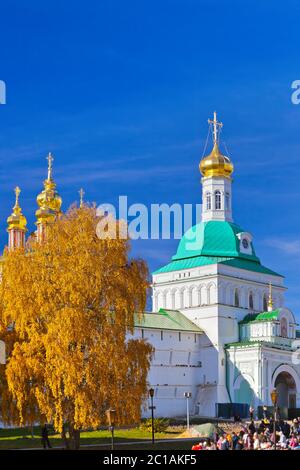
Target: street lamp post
(187, 395)
(274, 398)
(111, 415)
(152, 408)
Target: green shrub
(159, 424)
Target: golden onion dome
(49, 197)
(216, 164)
(17, 220)
(49, 201)
(45, 215)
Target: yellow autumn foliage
(67, 314)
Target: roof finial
(16, 220)
(50, 161)
(81, 194)
(270, 301)
(216, 125)
(17, 193)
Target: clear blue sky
(120, 92)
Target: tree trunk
(64, 437)
(73, 441)
(76, 439)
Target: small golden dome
(17, 220)
(216, 164)
(49, 201)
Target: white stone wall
(260, 366)
(177, 367)
(208, 285)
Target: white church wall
(175, 368)
(242, 366)
(260, 366)
(206, 287)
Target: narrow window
(251, 303)
(283, 327)
(218, 200)
(161, 335)
(236, 298)
(208, 201)
(179, 336)
(142, 333)
(227, 201)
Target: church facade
(220, 327)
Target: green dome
(212, 238)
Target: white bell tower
(216, 170)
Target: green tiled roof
(264, 316)
(190, 263)
(249, 344)
(212, 238)
(166, 320)
(244, 344)
(197, 261)
(211, 243)
(250, 266)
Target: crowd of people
(257, 435)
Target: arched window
(218, 200)
(265, 303)
(251, 303)
(236, 298)
(208, 201)
(283, 327)
(227, 201)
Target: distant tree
(67, 310)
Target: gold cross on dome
(17, 193)
(81, 194)
(270, 302)
(50, 160)
(216, 127)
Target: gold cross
(50, 161)
(81, 194)
(270, 303)
(216, 125)
(17, 192)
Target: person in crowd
(265, 412)
(293, 441)
(294, 426)
(282, 440)
(252, 427)
(261, 427)
(210, 445)
(286, 429)
(234, 440)
(256, 441)
(224, 443)
(45, 437)
(239, 444)
(197, 446)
